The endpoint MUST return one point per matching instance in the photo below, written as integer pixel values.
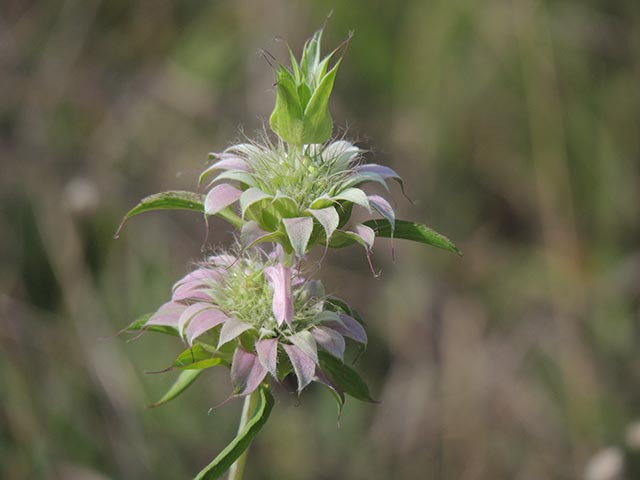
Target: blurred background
(516, 125)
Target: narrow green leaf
(172, 200)
(197, 358)
(184, 380)
(345, 377)
(242, 441)
(176, 200)
(138, 325)
(416, 232)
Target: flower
(297, 197)
(261, 317)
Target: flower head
(261, 317)
(297, 197)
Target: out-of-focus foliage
(515, 126)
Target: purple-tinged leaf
(358, 178)
(350, 327)
(363, 235)
(279, 277)
(199, 276)
(299, 231)
(305, 342)
(304, 366)
(190, 312)
(267, 350)
(227, 162)
(341, 153)
(167, 315)
(190, 286)
(202, 322)
(337, 392)
(330, 340)
(381, 170)
(231, 329)
(220, 197)
(328, 218)
(251, 196)
(235, 176)
(246, 372)
(384, 208)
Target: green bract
(301, 114)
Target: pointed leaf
(328, 218)
(299, 231)
(231, 329)
(196, 358)
(241, 442)
(171, 200)
(267, 350)
(317, 119)
(303, 365)
(330, 340)
(246, 372)
(354, 195)
(413, 231)
(350, 327)
(167, 315)
(279, 278)
(305, 342)
(251, 196)
(140, 324)
(184, 380)
(219, 197)
(384, 208)
(202, 322)
(345, 377)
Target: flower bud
(301, 114)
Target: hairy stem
(237, 469)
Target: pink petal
(246, 372)
(167, 315)
(330, 340)
(231, 329)
(202, 322)
(267, 350)
(304, 367)
(279, 277)
(219, 197)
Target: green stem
(237, 469)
